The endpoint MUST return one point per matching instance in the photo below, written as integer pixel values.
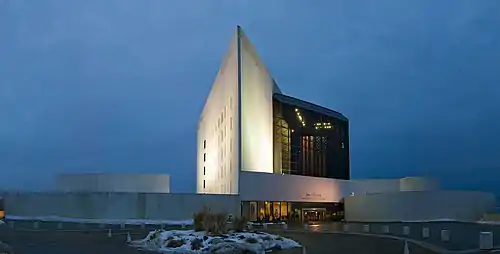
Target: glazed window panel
(309, 143)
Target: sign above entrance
(313, 196)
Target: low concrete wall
(107, 205)
(146, 183)
(419, 205)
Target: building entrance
(313, 214)
(271, 211)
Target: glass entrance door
(313, 214)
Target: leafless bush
(215, 223)
(240, 224)
(212, 223)
(198, 218)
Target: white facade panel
(218, 139)
(145, 183)
(276, 187)
(256, 111)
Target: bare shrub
(240, 224)
(198, 218)
(215, 223)
(212, 223)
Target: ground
(464, 236)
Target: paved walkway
(464, 236)
(52, 242)
(319, 243)
(66, 243)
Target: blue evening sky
(118, 85)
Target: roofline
(310, 106)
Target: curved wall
(419, 205)
(143, 183)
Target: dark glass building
(309, 140)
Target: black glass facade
(309, 140)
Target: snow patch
(190, 241)
(100, 221)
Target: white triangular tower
(235, 131)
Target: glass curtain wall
(309, 143)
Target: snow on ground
(190, 241)
(100, 221)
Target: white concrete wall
(256, 186)
(419, 205)
(217, 163)
(256, 111)
(145, 183)
(116, 205)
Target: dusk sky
(118, 86)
